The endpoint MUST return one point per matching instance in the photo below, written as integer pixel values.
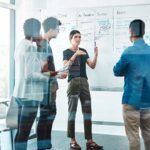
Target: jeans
(46, 119)
(26, 116)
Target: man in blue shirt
(134, 65)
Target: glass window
(4, 52)
(5, 1)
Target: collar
(139, 41)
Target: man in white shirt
(29, 80)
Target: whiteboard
(108, 26)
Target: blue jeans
(26, 116)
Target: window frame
(12, 8)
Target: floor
(61, 142)
(108, 129)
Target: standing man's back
(134, 66)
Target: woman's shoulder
(82, 49)
(67, 51)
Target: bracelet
(53, 73)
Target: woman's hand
(79, 53)
(96, 51)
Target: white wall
(91, 3)
(56, 4)
(27, 9)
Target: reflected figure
(48, 105)
(28, 90)
(78, 87)
(134, 67)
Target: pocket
(73, 87)
(127, 107)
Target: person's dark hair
(31, 28)
(50, 23)
(137, 28)
(72, 33)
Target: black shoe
(75, 146)
(93, 146)
(48, 148)
(45, 149)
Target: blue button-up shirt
(134, 65)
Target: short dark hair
(72, 33)
(137, 27)
(50, 23)
(32, 28)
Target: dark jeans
(26, 116)
(46, 119)
(79, 88)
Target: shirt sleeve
(33, 66)
(65, 55)
(121, 66)
(87, 55)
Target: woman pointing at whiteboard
(78, 87)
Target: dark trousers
(27, 111)
(46, 119)
(79, 88)
(26, 116)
